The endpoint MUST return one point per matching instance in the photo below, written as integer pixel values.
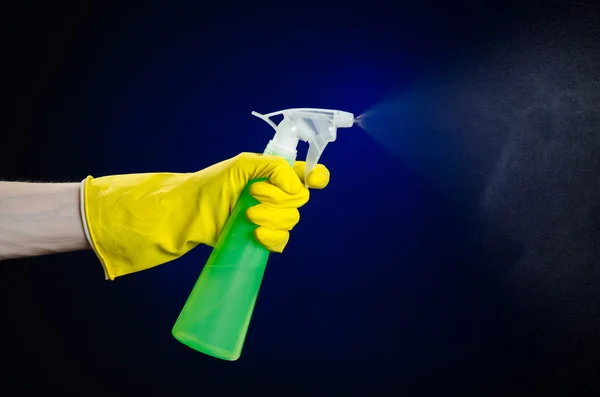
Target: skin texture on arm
(39, 219)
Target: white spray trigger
(317, 127)
(323, 132)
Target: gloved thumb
(318, 178)
(277, 170)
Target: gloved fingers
(318, 177)
(269, 194)
(273, 240)
(275, 168)
(273, 218)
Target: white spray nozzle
(318, 127)
(343, 119)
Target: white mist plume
(517, 138)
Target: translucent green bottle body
(216, 316)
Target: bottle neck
(275, 149)
(286, 135)
(284, 142)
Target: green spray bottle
(216, 316)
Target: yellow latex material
(138, 221)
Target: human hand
(138, 221)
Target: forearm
(40, 218)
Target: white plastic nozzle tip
(343, 119)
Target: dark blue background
(383, 282)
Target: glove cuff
(82, 209)
(86, 228)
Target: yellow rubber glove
(138, 221)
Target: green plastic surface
(217, 314)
